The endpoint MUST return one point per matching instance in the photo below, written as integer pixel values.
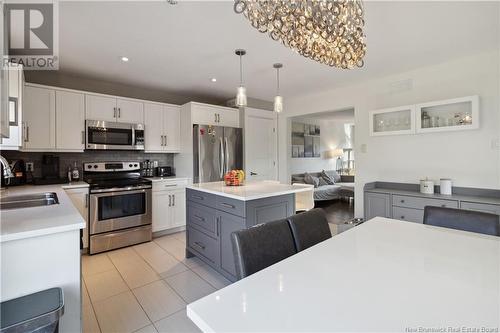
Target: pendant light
(278, 99)
(241, 92)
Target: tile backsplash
(68, 159)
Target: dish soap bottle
(75, 174)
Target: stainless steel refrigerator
(216, 150)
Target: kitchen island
(214, 211)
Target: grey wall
(69, 81)
(68, 159)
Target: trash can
(39, 312)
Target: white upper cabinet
(393, 121)
(70, 121)
(15, 109)
(153, 127)
(448, 115)
(100, 107)
(172, 128)
(39, 118)
(162, 127)
(109, 108)
(205, 114)
(129, 111)
(438, 116)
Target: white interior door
(70, 120)
(260, 145)
(153, 122)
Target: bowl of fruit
(234, 178)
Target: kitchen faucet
(7, 172)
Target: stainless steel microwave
(107, 135)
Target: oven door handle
(128, 190)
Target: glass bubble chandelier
(327, 31)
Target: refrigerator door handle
(227, 154)
(221, 160)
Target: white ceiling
(179, 48)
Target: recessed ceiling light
(124, 59)
(213, 79)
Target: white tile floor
(144, 288)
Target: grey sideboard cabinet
(405, 202)
(211, 218)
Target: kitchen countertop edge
(40, 221)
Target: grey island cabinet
(214, 211)
(405, 202)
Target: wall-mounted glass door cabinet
(393, 121)
(448, 115)
(438, 116)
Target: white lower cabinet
(80, 198)
(169, 204)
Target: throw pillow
(333, 175)
(311, 180)
(327, 178)
(322, 182)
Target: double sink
(28, 200)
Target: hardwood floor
(337, 211)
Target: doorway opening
(322, 154)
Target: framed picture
(305, 140)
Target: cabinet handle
(86, 200)
(169, 200)
(201, 245)
(173, 199)
(217, 222)
(119, 112)
(402, 217)
(199, 218)
(27, 133)
(218, 117)
(83, 137)
(215, 117)
(170, 185)
(402, 201)
(197, 197)
(114, 112)
(228, 205)
(166, 140)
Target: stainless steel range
(120, 205)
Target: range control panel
(111, 166)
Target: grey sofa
(342, 188)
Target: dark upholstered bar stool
(261, 246)
(466, 220)
(309, 228)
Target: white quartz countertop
(161, 179)
(382, 276)
(250, 190)
(23, 223)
